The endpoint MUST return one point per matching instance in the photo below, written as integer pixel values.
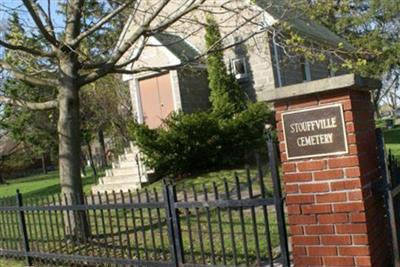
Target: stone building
(255, 57)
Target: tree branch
(27, 50)
(108, 66)
(31, 105)
(31, 7)
(100, 23)
(47, 17)
(74, 14)
(28, 78)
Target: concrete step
(121, 179)
(127, 163)
(102, 188)
(125, 171)
(127, 156)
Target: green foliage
(191, 142)
(226, 96)
(371, 27)
(36, 130)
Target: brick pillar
(335, 217)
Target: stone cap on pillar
(350, 81)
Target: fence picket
(218, 228)
(23, 231)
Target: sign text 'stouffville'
(313, 132)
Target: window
(239, 68)
(305, 70)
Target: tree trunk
(91, 159)
(83, 164)
(44, 165)
(70, 149)
(103, 149)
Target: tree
(226, 96)
(371, 27)
(90, 44)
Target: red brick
(305, 240)
(343, 162)
(332, 218)
(353, 150)
(319, 229)
(279, 126)
(293, 209)
(307, 261)
(354, 195)
(363, 261)
(350, 127)
(282, 147)
(291, 188)
(316, 209)
(339, 261)
(336, 240)
(278, 116)
(303, 102)
(311, 165)
(279, 106)
(292, 199)
(320, 187)
(358, 217)
(360, 228)
(348, 116)
(281, 137)
(354, 251)
(297, 177)
(330, 174)
(360, 239)
(346, 105)
(296, 230)
(345, 184)
(348, 207)
(351, 139)
(322, 251)
(288, 167)
(353, 172)
(299, 251)
(302, 219)
(331, 197)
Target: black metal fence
(235, 222)
(390, 184)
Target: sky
(7, 5)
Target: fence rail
(232, 223)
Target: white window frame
(239, 76)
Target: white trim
(176, 92)
(138, 101)
(307, 70)
(172, 59)
(278, 68)
(322, 154)
(239, 76)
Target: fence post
(278, 200)
(23, 230)
(169, 209)
(176, 224)
(386, 179)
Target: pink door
(156, 98)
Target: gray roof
(301, 24)
(178, 46)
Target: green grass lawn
(11, 263)
(392, 140)
(40, 185)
